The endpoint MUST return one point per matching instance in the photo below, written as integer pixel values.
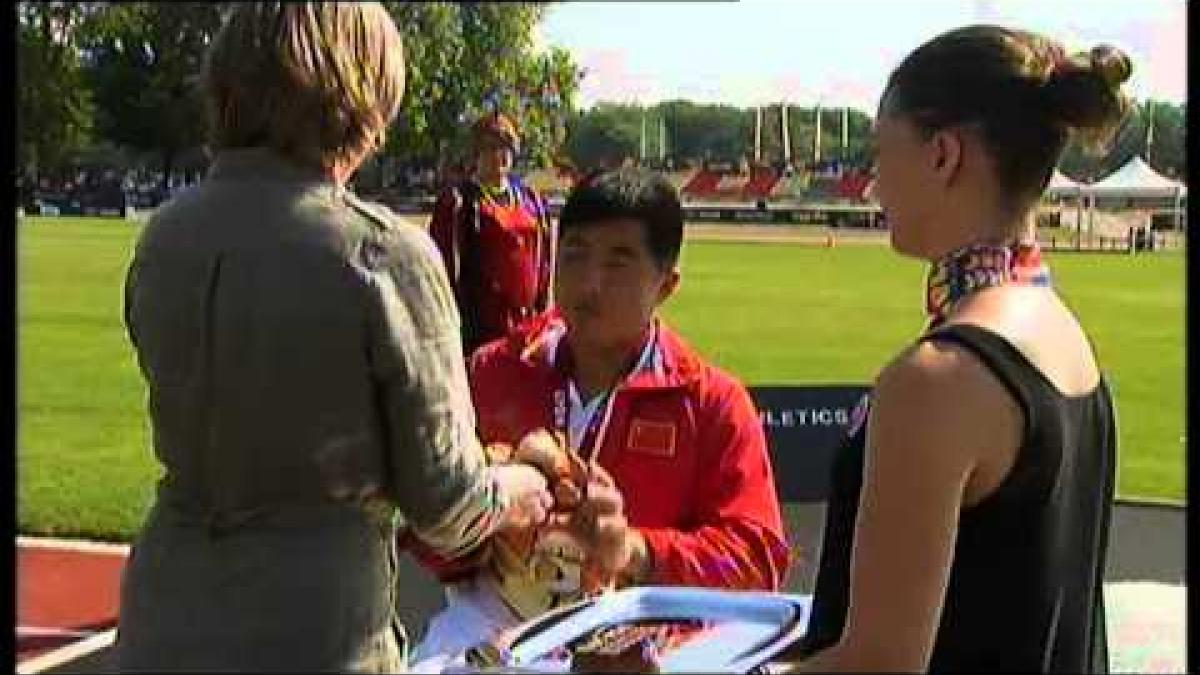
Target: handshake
(564, 473)
(565, 527)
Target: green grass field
(777, 313)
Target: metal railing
(1147, 241)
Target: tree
(143, 66)
(549, 98)
(432, 98)
(713, 132)
(706, 131)
(463, 59)
(143, 61)
(1166, 152)
(54, 107)
(604, 135)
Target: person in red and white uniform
(495, 238)
(680, 488)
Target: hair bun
(1083, 93)
(1111, 64)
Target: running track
(67, 599)
(67, 594)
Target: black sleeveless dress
(1025, 591)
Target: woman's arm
(936, 414)
(437, 471)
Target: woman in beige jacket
(305, 376)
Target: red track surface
(64, 595)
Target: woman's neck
(340, 169)
(977, 265)
(491, 179)
(999, 230)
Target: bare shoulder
(1039, 325)
(938, 401)
(933, 371)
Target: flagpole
(642, 142)
(817, 135)
(758, 119)
(845, 130)
(786, 133)
(662, 138)
(1149, 128)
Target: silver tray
(749, 628)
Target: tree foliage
(143, 63)
(1165, 149)
(603, 136)
(124, 74)
(54, 107)
(466, 59)
(128, 71)
(609, 133)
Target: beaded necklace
(962, 272)
(977, 266)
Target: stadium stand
(762, 182)
(702, 185)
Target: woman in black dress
(968, 520)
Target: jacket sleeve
(438, 472)
(548, 259)
(443, 230)
(738, 540)
(449, 569)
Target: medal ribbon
(596, 428)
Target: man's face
(495, 157)
(608, 284)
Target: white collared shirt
(580, 414)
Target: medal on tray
(544, 567)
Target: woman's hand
(565, 471)
(545, 450)
(524, 489)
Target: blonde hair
(315, 81)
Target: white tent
(1137, 179)
(1060, 185)
(1062, 189)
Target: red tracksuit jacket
(684, 445)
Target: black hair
(644, 196)
(1022, 91)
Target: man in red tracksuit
(681, 489)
